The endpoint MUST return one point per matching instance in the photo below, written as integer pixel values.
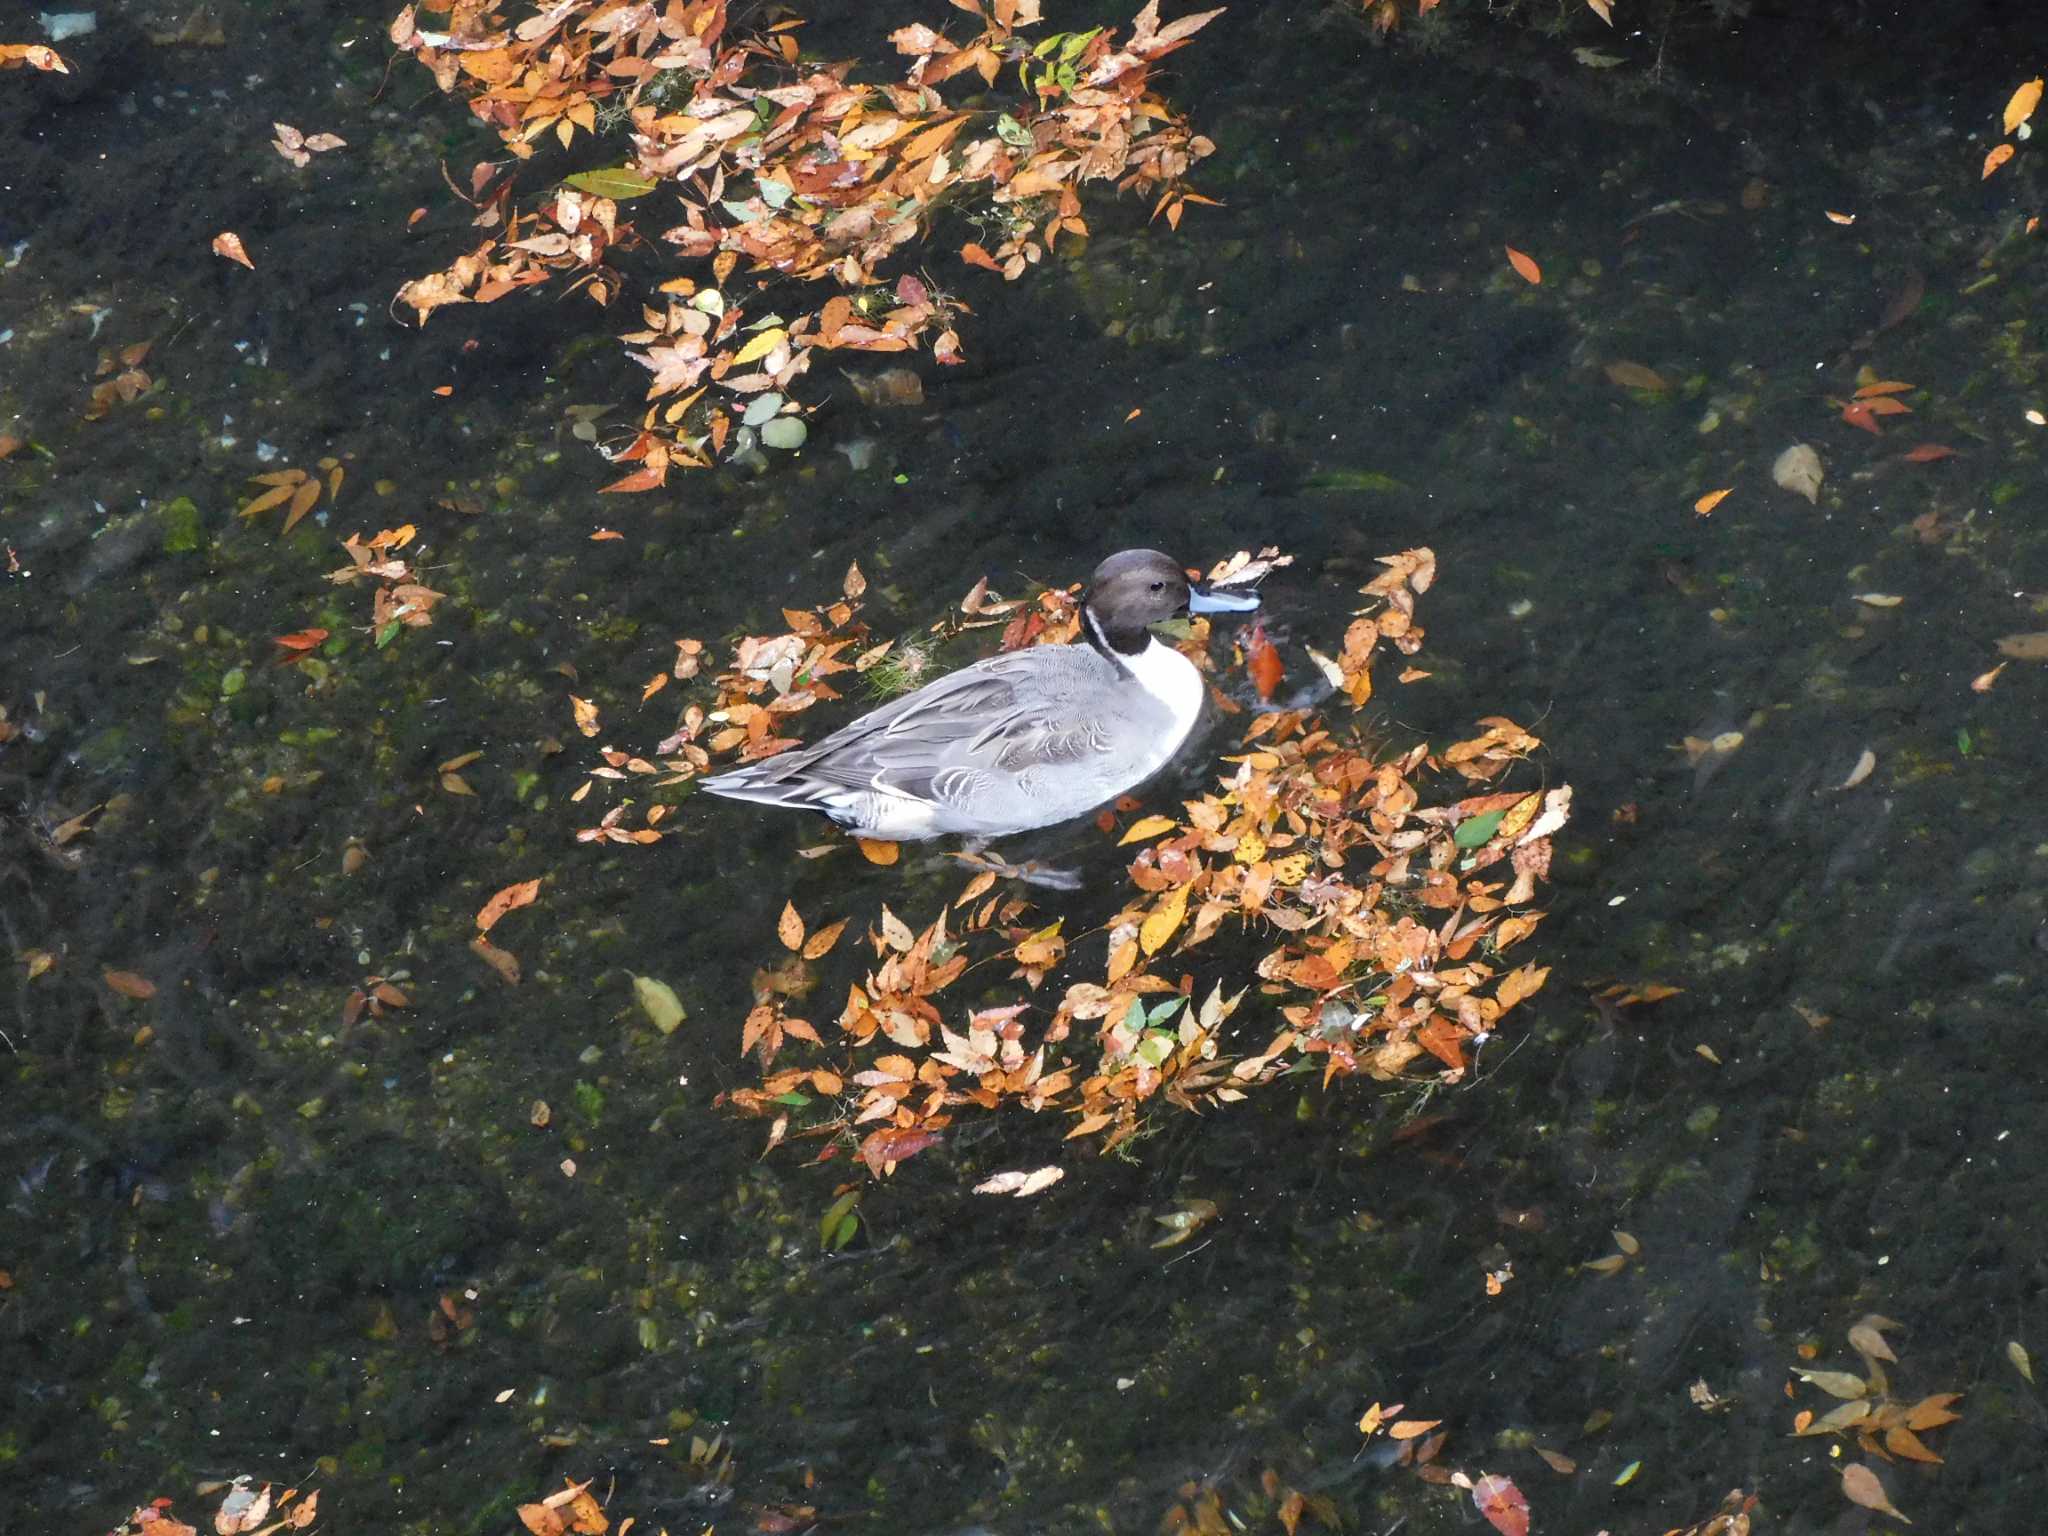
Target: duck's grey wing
(954, 741)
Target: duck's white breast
(1171, 679)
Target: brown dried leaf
(1861, 1486)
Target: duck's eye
(1158, 586)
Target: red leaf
(640, 480)
(302, 640)
(1928, 453)
(1524, 265)
(1502, 1504)
(885, 1147)
(1857, 414)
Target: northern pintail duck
(1021, 740)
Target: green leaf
(387, 634)
(1963, 743)
(1134, 1018)
(1162, 1012)
(619, 183)
(784, 432)
(1077, 44)
(1477, 831)
(792, 1098)
(1013, 133)
(838, 1222)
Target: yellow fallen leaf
(763, 343)
(1711, 500)
(875, 851)
(1164, 921)
(1144, 827)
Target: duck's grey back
(1020, 740)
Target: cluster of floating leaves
(1866, 1413)
(1386, 920)
(399, 599)
(788, 167)
(246, 1509)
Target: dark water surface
(228, 1220)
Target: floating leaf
(1162, 922)
(789, 927)
(229, 244)
(1798, 469)
(1928, 453)
(1635, 376)
(876, 851)
(1861, 1486)
(1524, 265)
(2027, 647)
(510, 899)
(1019, 1183)
(2015, 1351)
(1711, 500)
(2000, 153)
(1506, 1510)
(619, 183)
(786, 433)
(130, 984)
(1842, 1384)
(1146, 826)
(2021, 105)
(1477, 831)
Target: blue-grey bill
(1221, 602)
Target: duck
(1022, 740)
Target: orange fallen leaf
(9, 444)
(1263, 662)
(2021, 105)
(302, 640)
(1524, 265)
(789, 927)
(510, 899)
(1857, 413)
(229, 244)
(2000, 153)
(1928, 453)
(876, 851)
(1136, 412)
(1884, 387)
(1839, 218)
(1411, 1429)
(1884, 405)
(129, 984)
(1711, 500)
(603, 534)
(444, 390)
(1982, 682)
